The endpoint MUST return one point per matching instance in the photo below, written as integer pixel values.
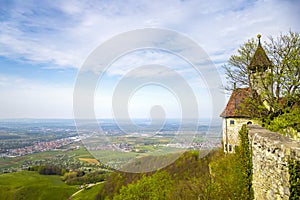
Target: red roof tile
(233, 107)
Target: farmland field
(40, 158)
(89, 160)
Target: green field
(31, 185)
(89, 193)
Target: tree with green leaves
(157, 186)
(236, 69)
(284, 54)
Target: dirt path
(88, 186)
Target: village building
(234, 115)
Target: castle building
(234, 116)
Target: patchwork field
(32, 159)
(89, 160)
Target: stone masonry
(270, 156)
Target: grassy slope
(89, 193)
(31, 185)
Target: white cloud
(67, 35)
(61, 34)
(137, 59)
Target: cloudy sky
(44, 44)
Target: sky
(44, 45)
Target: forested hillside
(214, 176)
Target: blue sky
(43, 44)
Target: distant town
(40, 136)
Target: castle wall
(270, 156)
(231, 131)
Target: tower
(260, 72)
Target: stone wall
(231, 132)
(270, 156)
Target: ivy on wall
(294, 171)
(244, 154)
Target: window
(231, 122)
(230, 147)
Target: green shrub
(287, 123)
(294, 171)
(155, 187)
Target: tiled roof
(260, 60)
(233, 107)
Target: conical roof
(260, 60)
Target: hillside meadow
(31, 185)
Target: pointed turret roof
(260, 60)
